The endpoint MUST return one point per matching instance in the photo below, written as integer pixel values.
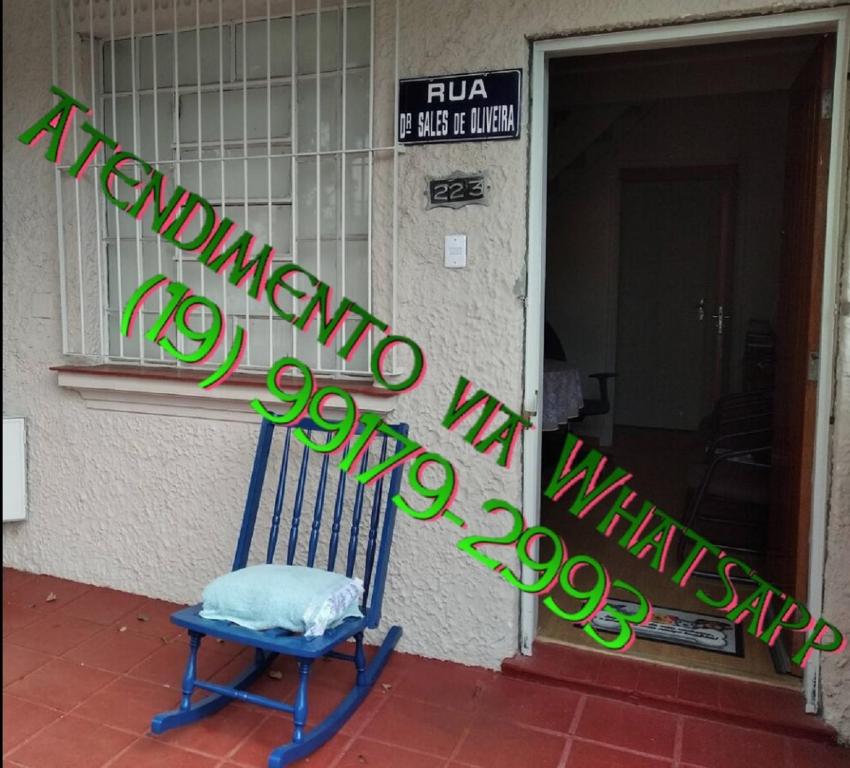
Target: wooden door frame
(834, 20)
(726, 173)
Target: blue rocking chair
(374, 551)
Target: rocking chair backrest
(366, 510)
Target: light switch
(455, 251)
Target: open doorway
(685, 236)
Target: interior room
(674, 189)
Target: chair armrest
(739, 398)
(715, 463)
(736, 455)
(758, 436)
(745, 440)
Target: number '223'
(452, 190)
(560, 569)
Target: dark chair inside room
(598, 406)
(729, 491)
(554, 350)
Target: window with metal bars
(270, 119)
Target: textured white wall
(151, 504)
(835, 670)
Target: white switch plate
(455, 251)
(14, 469)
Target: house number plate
(458, 190)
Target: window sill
(172, 392)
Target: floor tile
(54, 634)
(72, 743)
(149, 753)
(17, 616)
(710, 743)
(334, 673)
(21, 719)
(550, 660)
(223, 647)
(658, 681)
(284, 665)
(61, 684)
(367, 711)
(445, 684)
(583, 754)
(37, 590)
(114, 651)
(363, 753)
(417, 725)
(545, 706)
(129, 704)
(14, 579)
(216, 735)
(269, 684)
(620, 674)
(764, 702)
(274, 732)
(278, 689)
(321, 701)
(19, 662)
(167, 664)
(820, 755)
(418, 713)
(583, 667)
(238, 664)
(102, 606)
(626, 725)
(152, 618)
(698, 689)
(323, 758)
(397, 667)
(500, 744)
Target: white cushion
(292, 597)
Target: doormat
(669, 625)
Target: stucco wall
(835, 670)
(150, 504)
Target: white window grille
(267, 110)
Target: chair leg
(314, 738)
(360, 659)
(191, 670)
(299, 716)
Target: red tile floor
(84, 668)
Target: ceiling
(702, 70)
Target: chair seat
(275, 640)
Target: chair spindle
(278, 500)
(355, 518)
(319, 509)
(338, 506)
(299, 501)
(373, 526)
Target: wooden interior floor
(658, 460)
